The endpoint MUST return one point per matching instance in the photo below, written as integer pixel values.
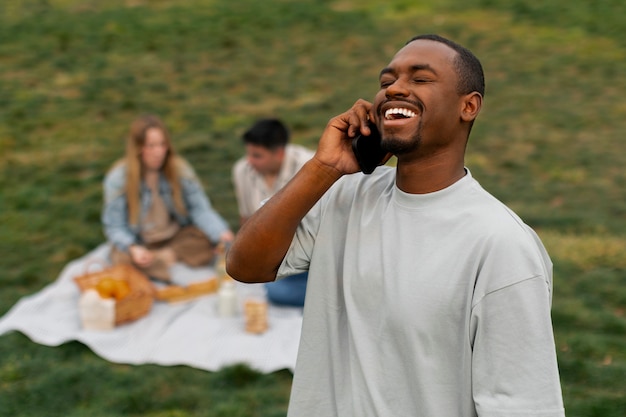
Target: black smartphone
(368, 151)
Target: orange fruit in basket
(106, 287)
(122, 289)
(113, 288)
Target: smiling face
(418, 106)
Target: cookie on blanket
(255, 312)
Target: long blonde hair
(134, 167)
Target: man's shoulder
(493, 210)
(495, 222)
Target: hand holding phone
(368, 151)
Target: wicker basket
(136, 304)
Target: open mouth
(396, 113)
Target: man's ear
(471, 106)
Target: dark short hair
(468, 68)
(269, 133)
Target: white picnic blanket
(185, 333)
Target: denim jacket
(122, 234)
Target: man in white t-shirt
(427, 296)
(270, 162)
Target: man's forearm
(264, 239)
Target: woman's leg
(192, 247)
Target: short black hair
(269, 133)
(468, 68)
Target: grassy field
(73, 74)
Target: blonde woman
(155, 210)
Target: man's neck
(270, 178)
(430, 175)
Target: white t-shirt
(432, 305)
(250, 187)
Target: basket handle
(95, 261)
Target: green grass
(73, 74)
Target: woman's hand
(141, 256)
(227, 237)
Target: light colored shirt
(250, 186)
(422, 305)
(157, 225)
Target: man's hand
(335, 146)
(264, 239)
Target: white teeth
(399, 111)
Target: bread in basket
(136, 304)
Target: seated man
(269, 164)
